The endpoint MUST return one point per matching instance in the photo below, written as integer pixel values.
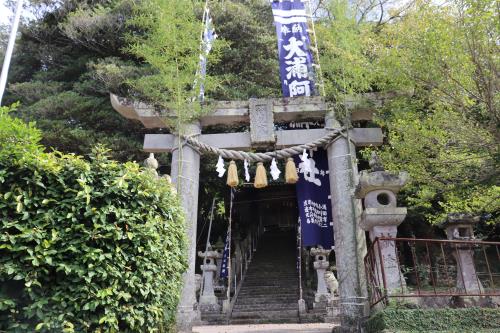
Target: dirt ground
(268, 328)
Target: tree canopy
(442, 59)
(443, 126)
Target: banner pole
(229, 246)
(10, 48)
(300, 259)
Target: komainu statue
(331, 283)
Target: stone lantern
(461, 227)
(381, 217)
(208, 300)
(321, 264)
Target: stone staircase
(270, 290)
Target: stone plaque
(261, 122)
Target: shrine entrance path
(267, 328)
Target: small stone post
(219, 248)
(382, 217)
(238, 255)
(460, 227)
(321, 264)
(208, 300)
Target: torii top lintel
(237, 112)
(261, 114)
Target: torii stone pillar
(185, 175)
(350, 242)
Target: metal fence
(408, 267)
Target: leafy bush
(426, 320)
(17, 137)
(85, 246)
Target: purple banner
(296, 70)
(313, 196)
(225, 257)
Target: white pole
(10, 48)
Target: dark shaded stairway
(270, 290)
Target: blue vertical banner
(297, 79)
(295, 58)
(313, 196)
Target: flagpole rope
(267, 156)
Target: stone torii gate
(261, 115)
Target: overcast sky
(5, 13)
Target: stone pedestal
(226, 306)
(332, 310)
(381, 218)
(321, 264)
(185, 175)
(387, 257)
(460, 227)
(350, 243)
(208, 300)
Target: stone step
(270, 293)
(312, 318)
(279, 261)
(273, 270)
(259, 295)
(256, 321)
(286, 299)
(264, 321)
(265, 314)
(264, 284)
(218, 319)
(276, 291)
(271, 284)
(261, 273)
(266, 276)
(254, 295)
(213, 317)
(266, 281)
(271, 288)
(265, 307)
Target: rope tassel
(260, 176)
(232, 175)
(291, 176)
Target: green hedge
(85, 246)
(427, 320)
